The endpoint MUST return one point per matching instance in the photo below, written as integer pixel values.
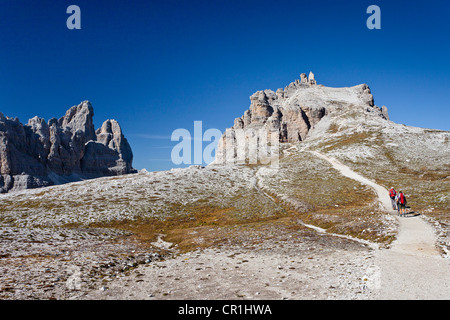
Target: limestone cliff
(289, 114)
(44, 153)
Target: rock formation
(69, 149)
(311, 79)
(384, 111)
(288, 115)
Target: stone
(287, 115)
(303, 78)
(384, 112)
(110, 154)
(42, 153)
(311, 79)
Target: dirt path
(412, 268)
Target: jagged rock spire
(41, 154)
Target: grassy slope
(325, 198)
(414, 160)
(420, 170)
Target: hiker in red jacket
(402, 203)
(392, 194)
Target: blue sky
(156, 66)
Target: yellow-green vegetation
(158, 195)
(413, 160)
(206, 226)
(321, 196)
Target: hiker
(392, 194)
(402, 203)
(396, 202)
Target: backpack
(392, 193)
(402, 198)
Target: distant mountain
(290, 114)
(58, 151)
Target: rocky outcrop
(384, 112)
(288, 115)
(110, 154)
(61, 150)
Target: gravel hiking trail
(412, 268)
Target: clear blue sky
(156, 66)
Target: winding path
(412, 268)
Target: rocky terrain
(299, 229)
(288, 115)
(42, 153)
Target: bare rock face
(288, 115)
(110, 154)
(311, 78)
(384, 111)
(303, 78)
(69, 149)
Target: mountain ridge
(290, 115)
(62, 150)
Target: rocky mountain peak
(291, 113)
(44, 153)
(80, 117)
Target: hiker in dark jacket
(402, 203)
